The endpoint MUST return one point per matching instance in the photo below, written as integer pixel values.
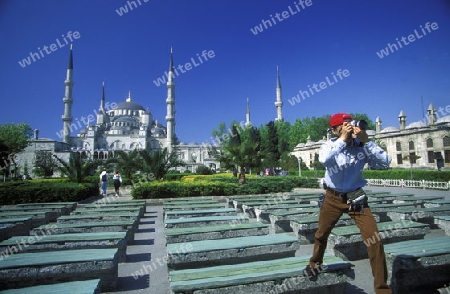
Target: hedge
(45, 191)
(217, 187)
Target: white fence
(409, 184)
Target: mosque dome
(130, 105)
(445, 119)
(417, 124)
(389, 130)
(158, 131)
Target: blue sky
(130, 51)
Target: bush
(203, 170)
(219, 186)
(45, 191)
(405, 174)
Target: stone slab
(40, 243)
(198, 212)
(70, 205)
(37, 218)
(128, 226)
(10, 227)
(262, 213)
(305, 228)
(347, 243)
(54, 211)
(275, 276)
(418, 264)
(79, 287)
(230, 251)
(443, 222)
(436, 203)
(205, 221)
(425, 215)
(249, 207)
(31, 269)
(180, 235)
(135, 209)
(97, 217)
(194, 206)
(281, 221)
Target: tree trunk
(242, 176)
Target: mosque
(124, 126)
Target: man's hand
(360, 134)
(346, 132)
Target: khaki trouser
(331, 211)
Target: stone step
(134, 209)
(113, 216)
(50, 267)
(198, 212)
(205, 221)
(281, 221)
(347, 242)
(43, 242)
(180, 235)
(305, 228)
(70, 205)
(37, 217)
(443, 222)
(192, 206)
(10, 227)
(262, 212)
(79, 287)
(230, 251)
(129, 226)
(418, 264)
(425, 215)
(284, 275)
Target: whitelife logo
(53, 47)
(186, 67)
(411, 38)
(281, 16)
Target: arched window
(398, 146)
(411, 145)
(429, 143)
(446, 141)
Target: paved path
(145, 271)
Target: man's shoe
(312, 271)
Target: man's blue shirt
(344, 163)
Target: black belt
(334, 192)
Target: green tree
(14, 138)
(243, 150)
(77, 169)
(160, 161)
(270, 147)
(45, 164)
(126, 163)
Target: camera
(362, 124)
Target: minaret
(279, 103)
(101, 114)
(68, 100)
(378, 125)
(170, 117)
(431, 114)
(247, 115)
(129, 97)
(402, 120)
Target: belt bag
(357, 200)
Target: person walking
(344, 158)
(104, 176)
(117, 180)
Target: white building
(428, 139)
(125, 126)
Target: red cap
(339, 118)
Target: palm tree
(77, 168)
(160, 161)
(126, 162)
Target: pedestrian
(104, 176)
(344, 158)
(117, 180)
